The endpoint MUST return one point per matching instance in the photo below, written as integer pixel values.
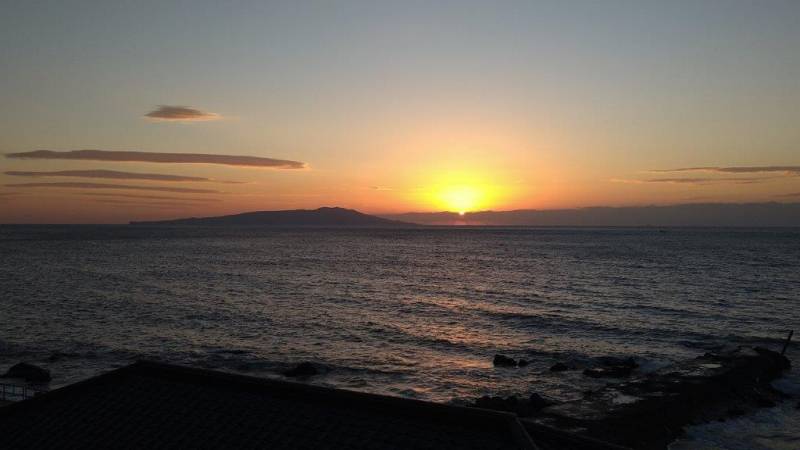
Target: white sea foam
(775, 428)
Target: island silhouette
(325, 217)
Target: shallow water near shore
(416, 313)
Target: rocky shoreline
(632, 410)
(649, 411)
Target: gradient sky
(396, 106)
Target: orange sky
(392, 109)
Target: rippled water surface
(416, 313)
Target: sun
(460, 192)
(461, 199)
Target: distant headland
(680, 215)
(685, 215)
(312, 218)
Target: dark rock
(504, 361)
(650, 410)
(779, 360)
(304, 369)
(608, 372)
(613, 361)
(612, 367)
(522, 363)
(559, 367)
(28, 372)
(538, 402)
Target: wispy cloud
(156, 157)
(181, 114)
(150, 197)
(730, 180)
(770, 173)
(789, 195)
(785, 170)
(113, 174)
(112, 186)
(381, 188)
(159, 205)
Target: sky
(206, 108)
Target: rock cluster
(612, 367)
(649, 411)
(28, 372)
(505, 361)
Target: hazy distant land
(702, 215)
(321, 217)
(705, 215)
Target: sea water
(416, 313)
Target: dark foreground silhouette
(152, 404)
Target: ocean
(416, 313)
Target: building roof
(156, 405)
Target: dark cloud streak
(786, 170)
(697, 181)
(171, 205)
(181, 114)
(156, 157)
(112, 174)
(112, 186)
(709, 180)
(151, 197)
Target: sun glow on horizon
(461, 199)
(461, 192)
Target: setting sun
(460, 198)
(460, 191)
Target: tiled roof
(154, 405)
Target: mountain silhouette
(321, 217)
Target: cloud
(156, 157)
(170, 205)
(730, 180)
(381, 188)
(181, 114)
(151, 197)
(776, 171)
(112, 174)
(709, 180)
(785, 170)
(789, 195)
(112, 186)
